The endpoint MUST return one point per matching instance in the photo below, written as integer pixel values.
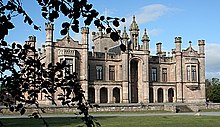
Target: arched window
(160, 95)
(116, 95)
(170, 94)
(103, 95)
(91, 95)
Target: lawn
(142, 121)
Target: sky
(164, 20)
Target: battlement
(49, 26)
(32, 38)
(178, 39)
(201, 42)
(85, 30)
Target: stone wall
(122, 107)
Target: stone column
(124, 78)
(110, 95)
(155, 94)
(166, 95)
(97, 95)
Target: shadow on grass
(52, 122)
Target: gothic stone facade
(109, 75)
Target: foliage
(213, 90)
(24, 77)
(52, 9)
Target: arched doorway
(151, 95)
(103, 95)
(160, 95)
(91, 95)
(134, 80)
(170, 94)
(116, 95)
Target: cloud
(212, 60)
(149, 13)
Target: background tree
(213, 90)
(23, 77)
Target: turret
(125, 37)
(32, 42)
(49, 43)
(49, 32)
(100, 32)
(179, 80)
(84, 61)
(201, 44)
(85, 35)
(145, 40)
(178, 41)
(134, 32)
(159, 51)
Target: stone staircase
(183, 108)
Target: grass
(210, 110)
(142, 121)
(130, 112)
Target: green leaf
(114, 36)
(123, 47)
(9, 25)
(65, 25)
(4, 43)
(123, 19)
(63, 32)
(116, 23)
(102, 18)
(22, 111)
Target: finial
(124, 28)
(145, 36)
(124, 34)
(190, 43)
(145, 31)
(133, 17)
(134, 26)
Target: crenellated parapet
(84, 30)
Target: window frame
(99, 72)
(112, 72)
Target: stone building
(109, 75)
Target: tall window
(69, 67)
(89, 72)
(193, 69)
(154, 74)
(111, 72)
(164, 74)
(188, 73)
(99, 72)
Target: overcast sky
(163, 19)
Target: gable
(190, 52)
(67, 41)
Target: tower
(125, 68)
(134, 32)
(49, 43)
(145, 39)
(31, 42)
(201, 44)
(179, 80)
(84, 60)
